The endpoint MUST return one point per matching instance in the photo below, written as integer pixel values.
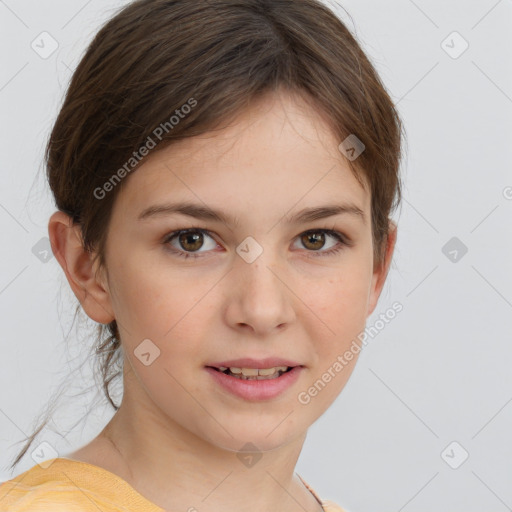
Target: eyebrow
(203, 212)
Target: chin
(254, 440)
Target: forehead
(279, 152)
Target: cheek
(336, 311)
(340, 311)
(341, 296)
(141, 289)
(162, 304)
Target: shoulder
(66, 485)
(40, 490)
(40, 499)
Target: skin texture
(175, 436)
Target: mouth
(246, 383)
(253, 373)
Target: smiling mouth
(253, 373)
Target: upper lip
(249, 362)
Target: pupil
(192, 238)
(314, 238)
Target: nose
(259, 299)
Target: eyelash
(343, 242)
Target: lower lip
(256, 389)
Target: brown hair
(154, 56)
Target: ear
(79, 267)
(380, 273)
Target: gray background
(439, 372)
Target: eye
(190, 241)
(314, 239)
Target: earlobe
(381, 273)
(79, 267)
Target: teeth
(271, 371)
(252, 372)
(255, 372)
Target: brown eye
(191, 241)
(313, 241)
(323, 242)
(187, 242)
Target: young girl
(224, 172)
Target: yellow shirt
(73, 486)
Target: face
(260, 282)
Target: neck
(177, 470)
